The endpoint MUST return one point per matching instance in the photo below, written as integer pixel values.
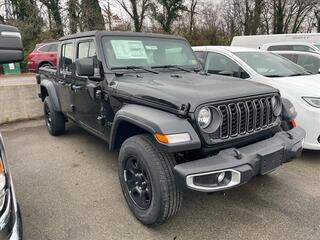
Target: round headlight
(204, 117)
(276, 105)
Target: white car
(294, 82)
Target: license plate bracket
(271, 159)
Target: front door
(65, 78)
(88, 107)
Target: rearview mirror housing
(11, 47)
(85, 67)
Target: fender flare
(288, 110)
(48, 85)
(153, 121)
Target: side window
(53, 48)
(44, 48)
(222, 65)
(302, 48)
(66, 64)
(280, 48)
(310, 63)
(86, 49)
(291, 57)
(201, 56)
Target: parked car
(44, 55)
(174, 128)
(289, 41)
(294, 82)
(308, 60)
(11, 50)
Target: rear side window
(53, 48)
(66, 64)
(49, 48)
(290, 48)
(86, 49)
(280, 48)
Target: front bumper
(10, 218)
(240, 165)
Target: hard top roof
(123, 34)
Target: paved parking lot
(68, 188)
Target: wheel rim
(138, 183)
(47, 114)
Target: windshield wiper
(135, 67)
(297, 74)
(274, 76)
(172, 66)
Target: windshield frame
(302, 71)
(143, 37)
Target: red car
(44, 55)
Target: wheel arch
(47, 90)
(136, 119)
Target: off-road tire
(166, 194)
(55, 121)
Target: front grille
(244, 116)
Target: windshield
(147, 52)
(270, 64)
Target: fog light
(221, 177)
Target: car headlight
(204, 117)
(314, 102)
(276, 105)
(209, 119)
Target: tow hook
(238, 154)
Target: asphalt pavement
(68, 188)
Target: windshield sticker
(127, 49)
(152, 47)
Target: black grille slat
(240, 118)
(243, 117)
(233, 119)
(224, 129)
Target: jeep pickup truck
(174, 126)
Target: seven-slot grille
(239, 118)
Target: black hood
(173, 89)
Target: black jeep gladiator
(175, 126)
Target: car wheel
(55, 121)
(147, 180)
(45, 65)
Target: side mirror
(319, 70)
(85, 67)
(11, 47)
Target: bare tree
(137, 10)
(165, 12)
(73, 9)
(192, 10)
(53, 7)
(91, 15)
(317, 14)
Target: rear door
(65, 78)
(88, 107)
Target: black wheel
(55, 121)
(45, 65)
(147, 180)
